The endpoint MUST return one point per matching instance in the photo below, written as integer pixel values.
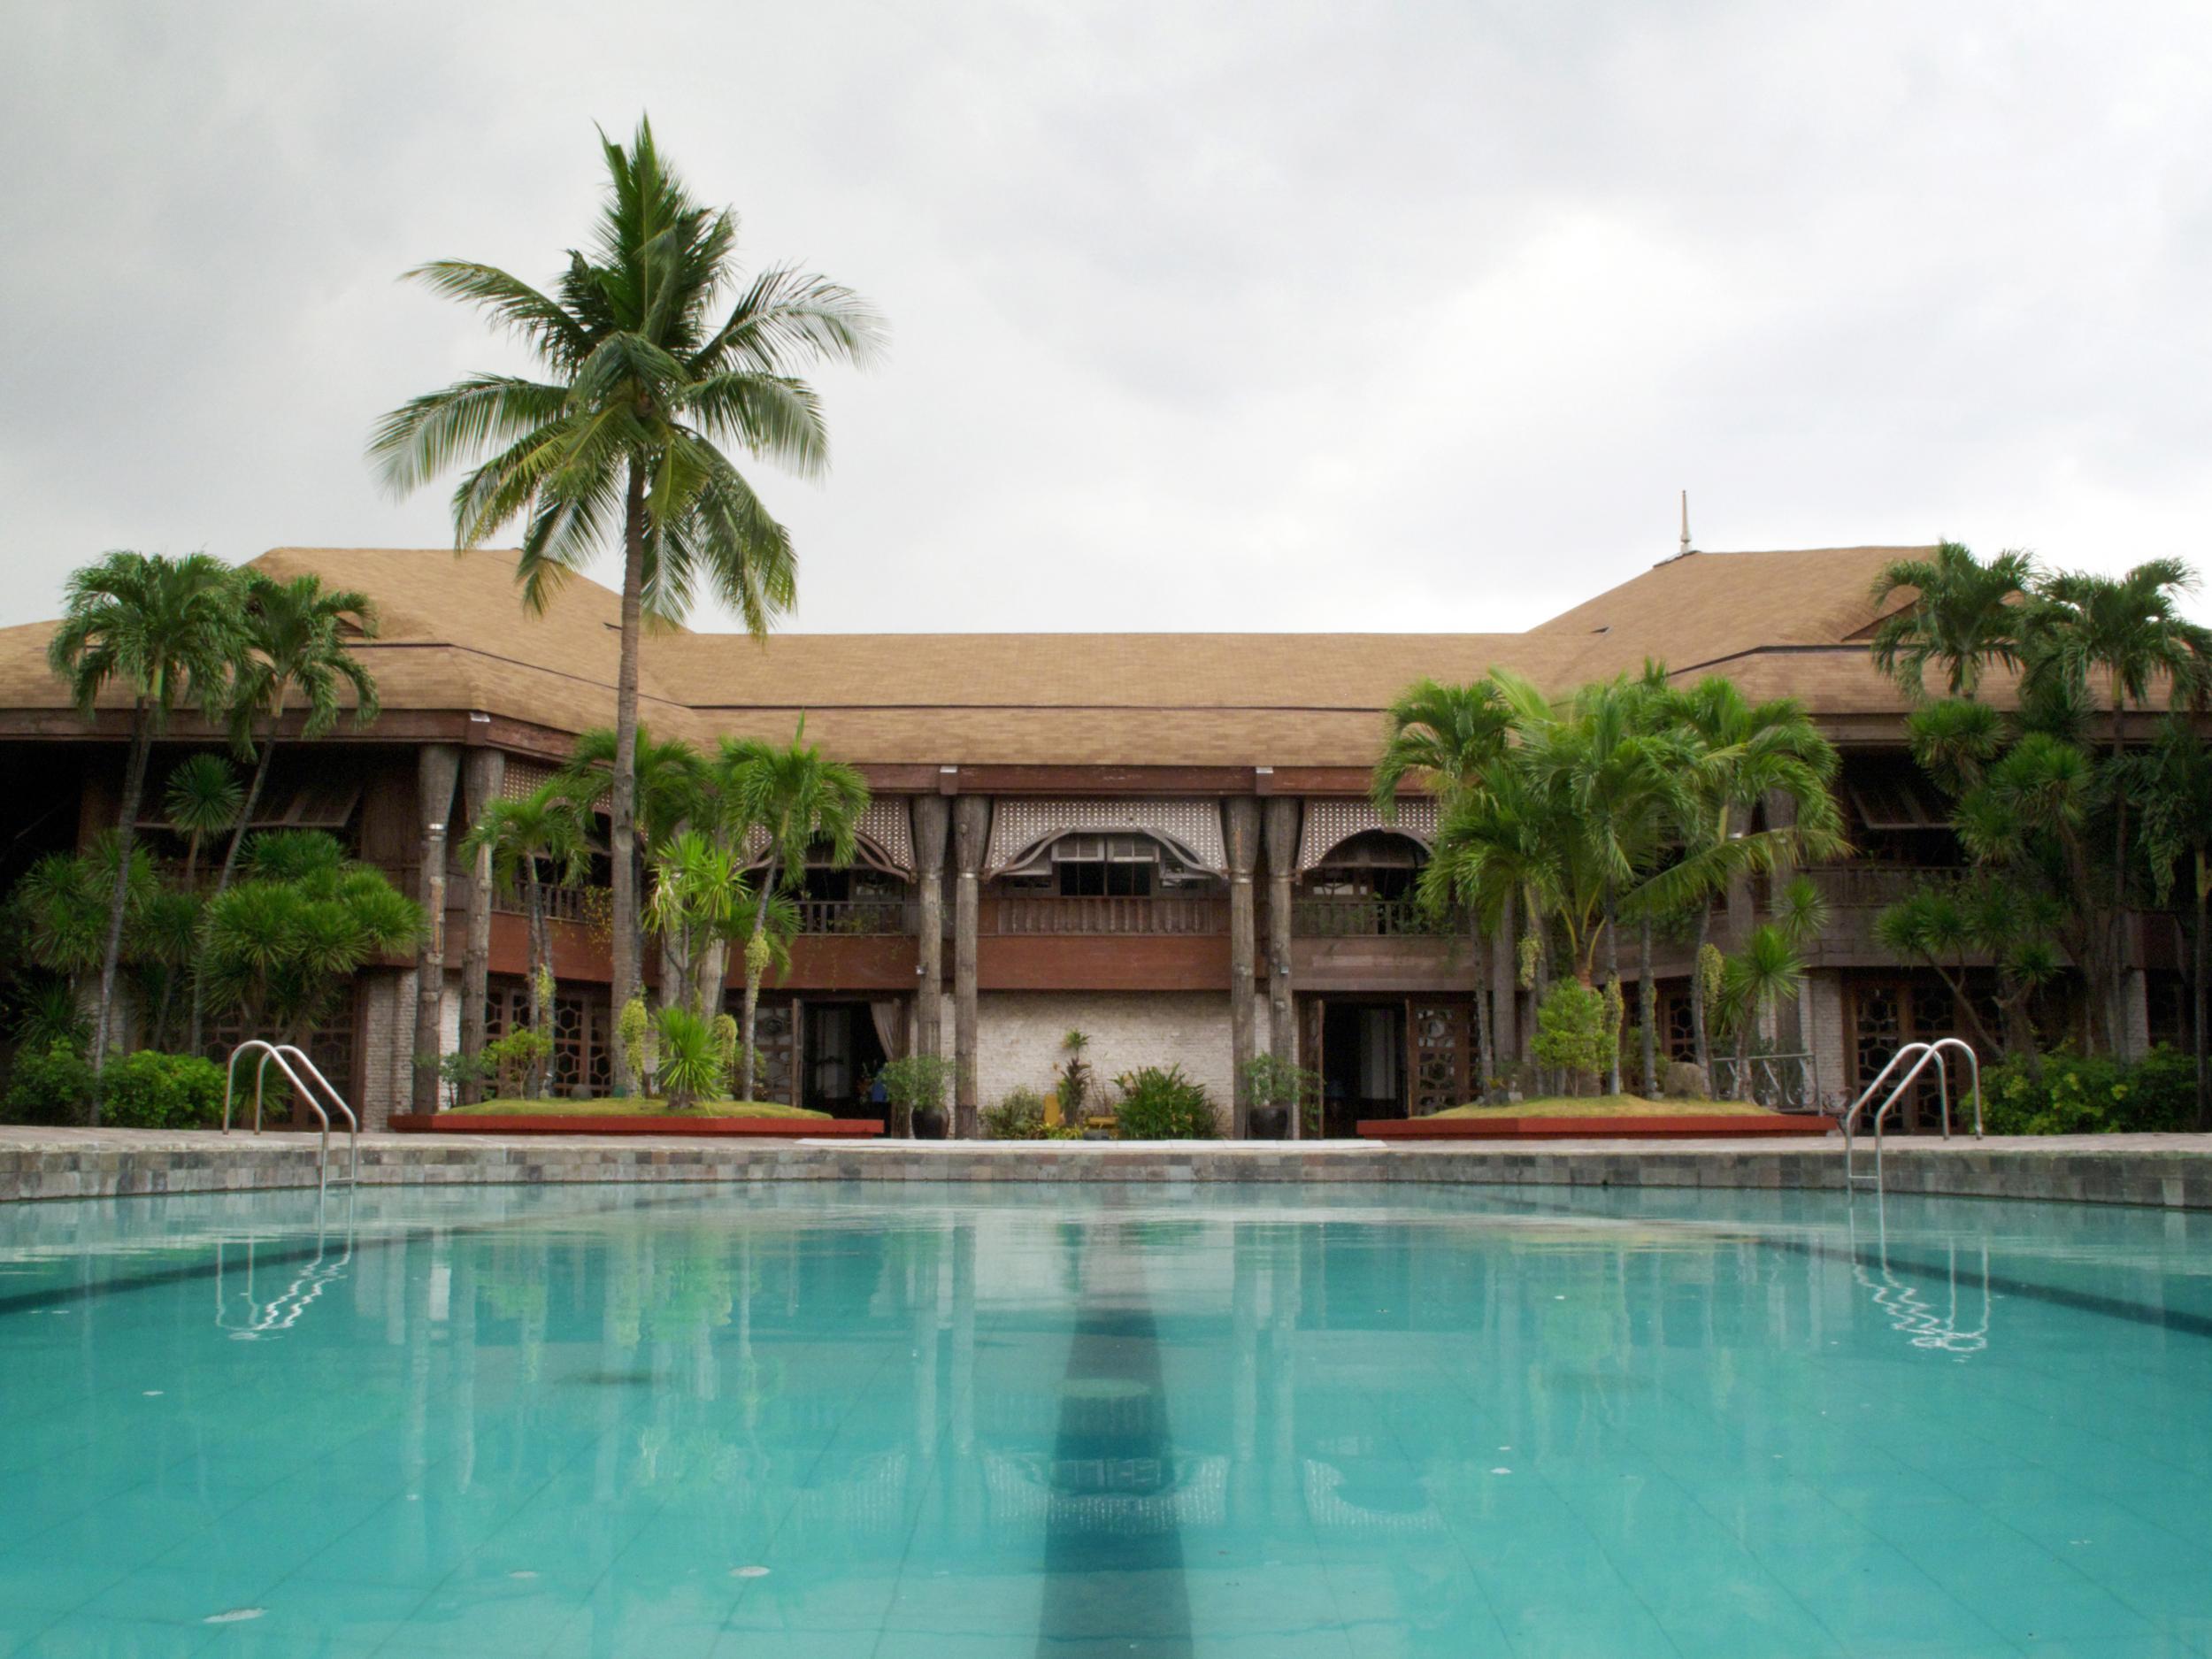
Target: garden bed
(1614, 1116)
(631, 1118)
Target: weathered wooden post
(482, 779)
(971, 833)
(1281, 826)
(436, 768)
(1240, 837)
(929, 812)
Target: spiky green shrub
(690, 1061)
(1163, 1104)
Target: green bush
(2088, 1095)
(151, 1090)
(1163, 1105)
(52, 1085)
(1572, 1030)
(1019, 1116)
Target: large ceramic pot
(1271, 1122)
(930, 1122)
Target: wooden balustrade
(1344, 917)
(1053, 913)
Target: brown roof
(454, 637)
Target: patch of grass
(1611, 1106)
(633, 1106)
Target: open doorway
(1363, 1064)
(843, 1053)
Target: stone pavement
(2173, 1171)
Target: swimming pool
(896, 1421)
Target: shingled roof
(455, 638)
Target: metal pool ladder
(1922, 1056)
(285, 1054)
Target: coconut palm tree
(644, 381)
(1965, 616)
(295, 645)
(792, 797)
(168, 630)
(533, 843)
(1449, 738)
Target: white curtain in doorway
(1378, 1053)
(889, 1014)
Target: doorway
(842, 1053)
(1361, 1065)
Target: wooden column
(931, 813)
(1280, 817)
(971, 835)
(436, 767)
(1240, 838)
(483, 778)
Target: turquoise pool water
(889, 1422)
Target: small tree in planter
(1278, 1087)
(915, 1085)
(1573, 1033)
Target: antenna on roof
(1686, 521)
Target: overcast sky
(1353, 316)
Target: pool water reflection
(902, 1421)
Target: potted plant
(1276, 1088)
(915, 1087)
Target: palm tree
(671, 786)
(1964, 615)
(168, 629)
(295, 637)
(642, 385)
(2128, 628)
(531, 842)
(2174, 783)
(793, 797)
(1448, 737)
(1735, 754)
(201, 797)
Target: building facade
(1162, 841)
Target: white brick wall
(1820, 1008)
(388, 1030)
(1018, 1037)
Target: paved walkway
(2168, 1170)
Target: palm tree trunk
(752, 978)
(541, 959)
(1647, 1010)
(118, 897)
(2118, 1015)
(1699, 1035)
(1484, 1072)
(194, 1031)
(1613, 988)
(622, 804)
(2204, 1092)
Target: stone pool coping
(2169, 1172)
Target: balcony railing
(1052, 914)
(847, 918)
(562, 904)
(1868, 886)
(1341, 917)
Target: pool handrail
(277, 1052)
(1921, 1055)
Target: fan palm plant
(1964, 615)
(791, 797)
(168, 631)
(644, 379)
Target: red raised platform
(1679, 1127)
(552, 1124)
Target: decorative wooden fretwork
(776, 1035)
(583, 1033)
(1191, 829)
(1328, 825)
(520, 778)
(1441, 1037)
(884, 839)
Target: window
(1105, 866)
